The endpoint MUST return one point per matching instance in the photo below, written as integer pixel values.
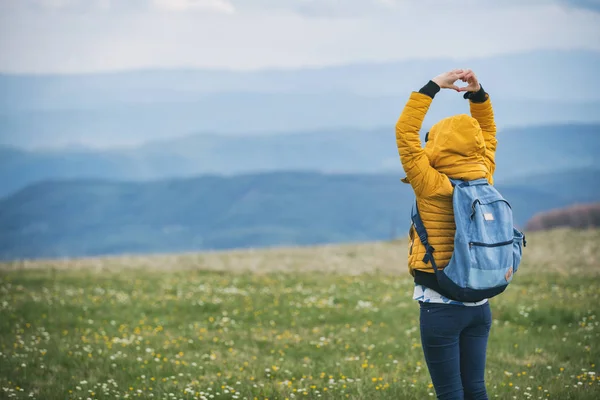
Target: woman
(454, 334)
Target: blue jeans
(454, 340)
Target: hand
(469, 77)
(447, 79)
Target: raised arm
(482, 111)
(424, 179)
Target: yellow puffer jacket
(458, 147)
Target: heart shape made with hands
(448, 80)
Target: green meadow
(329, 322)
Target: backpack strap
(422, 232)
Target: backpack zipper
(471, 244)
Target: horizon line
(275, 69)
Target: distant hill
(581, 216)
(136, 106)
(521, 152)
(86, 218)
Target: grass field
(332, 322)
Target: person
(454, 334)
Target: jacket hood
(456, 148)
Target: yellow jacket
(458, 147)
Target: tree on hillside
(580, 216)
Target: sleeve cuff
(430, 89)
(479, 96)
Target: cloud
(321, 8)
(253, 34)
(307, 8)
(346, 8)
(55, 3)
(353, 8)
(593, 5)
(59, 4)
(222, 6)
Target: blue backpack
(487, 246)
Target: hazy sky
(102, 35)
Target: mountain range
(133, 107)
(187, 160)
(90, 218)
(521, 152)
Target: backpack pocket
(518, 244)
(491, 264)
(491, 242)
(491, 222)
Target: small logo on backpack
(488, 216)
(508, 274)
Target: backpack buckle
(428, 254)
